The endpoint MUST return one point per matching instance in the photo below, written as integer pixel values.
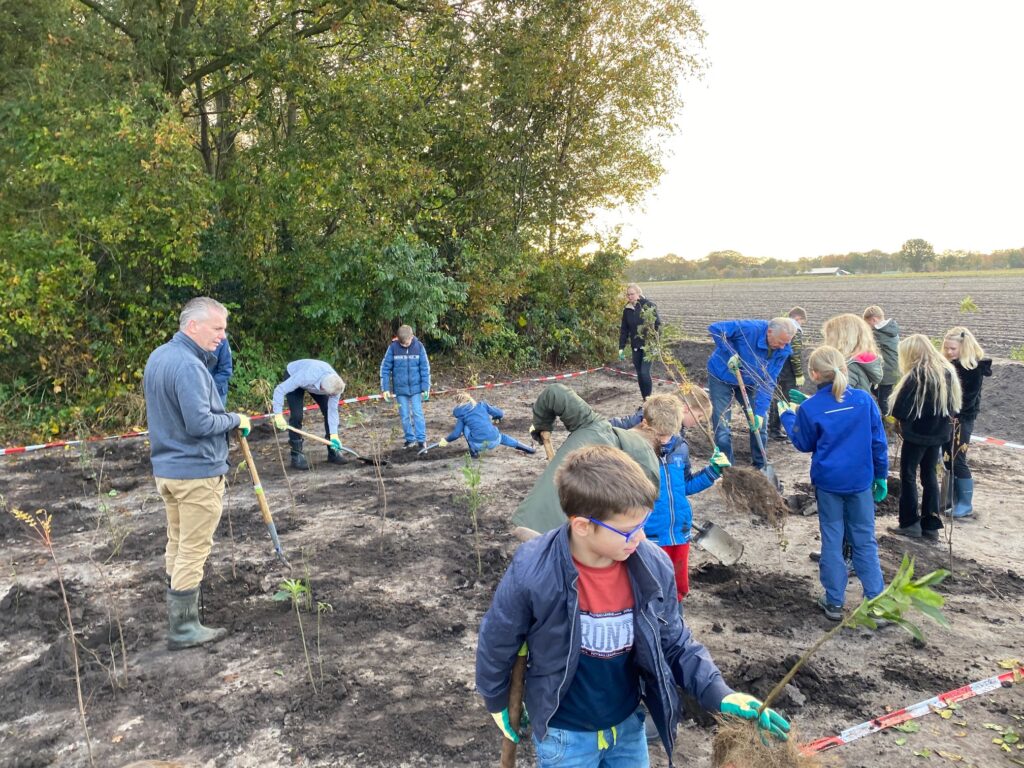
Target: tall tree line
(326, 169)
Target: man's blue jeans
(410, 409)
(722, 394)
(627, 748)
(854, 515)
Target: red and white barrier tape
(996, 441)
(934, 704)
(347, 401)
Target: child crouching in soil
(588, 601)
(476, 421)
(672, 518)
(842, 428)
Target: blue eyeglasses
(627, 535)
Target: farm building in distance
(831, 271)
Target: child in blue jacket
(672, 518)
(590, 604)
(405, 373)
(842, 428)
(477, 422)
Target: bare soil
(406, 597)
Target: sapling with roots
(298, 592)
(474, 500)
(742, 744)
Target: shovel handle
(549, 450)
(515, 709)
(308, 435)
(254, 475)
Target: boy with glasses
(588, 601)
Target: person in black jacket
(968, 358)
(925, 401)
(635, 326)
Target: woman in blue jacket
(477, 422)
(842, 428)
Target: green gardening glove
(718, 461)
(244, 425)
(784, 407)
(622, 355)
(335, 442)
(426, 396)
(796, 396)
(879, 490)
(745, 706)
(733, 364)
(501, 719)
(754, 421)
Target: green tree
(917, 255)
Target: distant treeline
(915, 256)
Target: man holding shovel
(325, 386)
(188, 449)
(758, 348)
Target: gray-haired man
(187, 427)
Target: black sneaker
(420, 445)
(832, 612)
(412, 444)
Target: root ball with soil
(746, 489)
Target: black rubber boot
(336, 457)
(299, 460)
(184, 629)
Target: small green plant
(322, 609)
(967, 305)
(903, 593)
(1017, 353)
(298, 592)
(474, 500)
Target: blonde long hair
(830, 365)
(970, 350)
(931, 373)
(850, 334)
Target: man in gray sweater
(189, 452)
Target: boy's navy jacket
(475, 422)
(404, 371)
(847, 439)
(537, 602)
(672, 518)
(761, 364)
(221, 368)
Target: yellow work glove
(734, 363)
(279, 422)
(244, 425)
(718, 461)
(387, 396)
(799, 381)
(782, 406)
(755, 421)
(441, 444)
(744, 705)
(501, 719)
(335, 442)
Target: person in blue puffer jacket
(476, 421)
(670, 523)
(405, 374)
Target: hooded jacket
(847, 439)
(865, 371)
(405, 370)
(537, 602)
(930, 428)
(887, 337)
(970, 382)
(540, 510)
(474, 421)
(672, 518)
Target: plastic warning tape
(996, 441)
(934, 704)
(609, 369)
(347, 401)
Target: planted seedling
(967, 305)
(298, 592)
(740, 743)
(474, 500)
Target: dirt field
(398, 644)
(928, 305)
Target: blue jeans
(410, 409)
(854, 515)
(722, 394)
(579, 749)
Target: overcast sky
(827, 127)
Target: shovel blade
(769, 472)
(718, 543)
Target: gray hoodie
(887, 337)
(186, 417)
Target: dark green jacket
(887, 337)
(540, 510)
